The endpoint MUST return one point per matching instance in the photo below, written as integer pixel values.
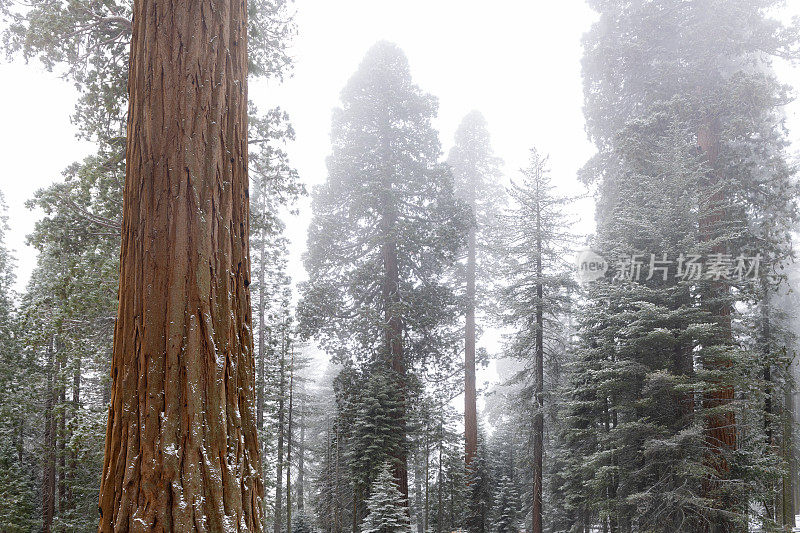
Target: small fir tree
(507, 506)
(386, 511)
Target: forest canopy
(232, 327)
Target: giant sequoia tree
(476, 172)
(686, 114)
(385, 232)
(67, 340)
(181, 446)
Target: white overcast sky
(518, 62)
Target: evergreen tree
(507, 506)
(481, 492)
(79, 236)
(387, 513)
(476, 173)
(536, 294)
(687, 164)
(385, 232)
(17, 463)
(302, 524)
(374, 440)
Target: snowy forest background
(657, 405)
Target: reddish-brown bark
(721, 432)
(181, 445)
(393, 328)
(470, 395)
(394, 344)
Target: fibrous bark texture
(181, 445)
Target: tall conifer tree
(685, 112)
(385, 232)
(476, 172)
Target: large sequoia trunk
(393, 329)
(181, 445)
(394, 346)
(721, 431)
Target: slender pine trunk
(73, 456)
(538, 419)
(427, 480)
(62, 454)
(262, 326)
(279, 462)
(772, 506)
(49, 464)
(289, 436)
(301, 452)
(439, 482)
(337, 508)
(787, 444)
(418, 505)
(470, 393)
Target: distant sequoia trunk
(721, 431)
(181, 445)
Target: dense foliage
(658, 397)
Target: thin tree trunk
(470, 394)
(452, 503)
(49, 469)
(794, 464)
(289, 447)
(182, 448)
(609, 422)
(439, 482)
(337, 508)
(787, 444)
(76, 404)
(427, 480)
(279, 462)
(538, 419)
(418, 492)
(262, 333)
(328, 512)
(771, 505)
(301, 452)
(62, 455)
